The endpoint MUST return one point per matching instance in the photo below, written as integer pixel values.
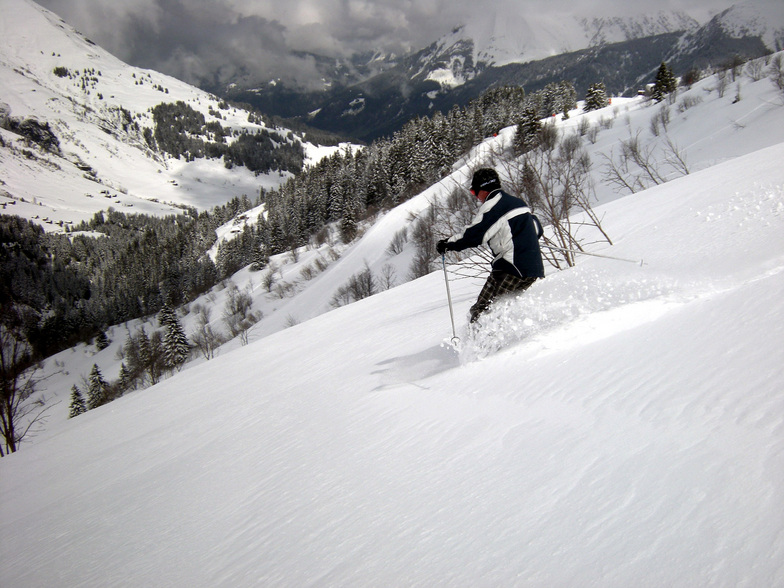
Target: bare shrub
(398, 242)
(388, 277)
(639, 166)
(206, 340)
(555, 180)
(688, 102)
(776, 72)
(237, 314)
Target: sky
(215, 41)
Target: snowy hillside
(765, 21)
(97, 107)
(617, 425)
(500, 36)
(503, 35)
(519, 36)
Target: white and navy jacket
(506, 225)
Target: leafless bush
(205, 339)
(606, 122)
(755, 70)
(270, 278)
(722, 81)
(341, 297)
(398, 242)
(584, 126)
(424, 237)
(362, 284)
(688, 102)
(554, 179)
(388, 277)
(332, 254)
(237, 314)
(776, 72)
(19, 417)
(660, 120)
(639, 166)
(320, 264)
(282, 289)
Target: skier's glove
(442, 246)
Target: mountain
(743, 29)
(69, 109)
(531, 51)
(620, 424)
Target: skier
(507, 226)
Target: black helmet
(485, 179)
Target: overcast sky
(196, 40)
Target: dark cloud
(203, 43)
(210, 42)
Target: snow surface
(619, 424)
(632, 436)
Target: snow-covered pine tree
(175, 343)
(596, 97)
(77, 403)
(101, 341)
(125, 379)
(665, 82)
(98, 392)
(527, 132)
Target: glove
(442, 246)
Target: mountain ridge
(624, 53)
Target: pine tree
(126, 378)
(665, 83)
(101, 341)
(98, 392)
(175, 343)
(527, 133)
(348, 225)
(596, 97)
(77, 403)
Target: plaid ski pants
(498, 284)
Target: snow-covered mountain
(738, 27)
(751, 19)
(620, 424)
(98, 109)
(495, 39)
(513, 46)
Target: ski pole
(455, 338)
(577, 252)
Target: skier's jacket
(512, 232)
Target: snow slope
(623, 428)
(84, 111)
(618, 425)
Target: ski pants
(498, 284)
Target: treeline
(116, 267)
(348, 186)
(182, 131)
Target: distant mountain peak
(501, 37)
(752, 19)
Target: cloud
(214, 42)
(204, 43)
